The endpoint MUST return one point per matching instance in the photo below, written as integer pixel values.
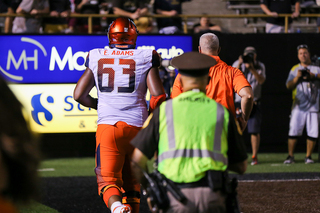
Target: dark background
(277, 51)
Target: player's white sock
(115, 206)
(118, 207)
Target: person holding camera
(304, 82)
(196, 140)
(255, 73)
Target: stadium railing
(184, 17)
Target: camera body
(305, 72)
(248, 58)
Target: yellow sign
(52, 109)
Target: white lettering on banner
(72, 60)
(23, 58)
(168, 54)
(61, 60)
(146, 47)
(75, 60)
(165, 53)
(61, 63)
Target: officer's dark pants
(200, 200)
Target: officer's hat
(193, 64)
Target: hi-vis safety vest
(193, 133)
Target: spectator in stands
(72, 22)
(88, 7)
(274, 8)
(308, 4)
(169, 8)
(59, 10)
(205, 26)
(144, 25)
(130, 9)
(33, 24)
(255, 73)
(8, 6)
(134, 10)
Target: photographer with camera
(255, 73)
(304, 82)
(196, 140)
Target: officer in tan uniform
(196, 140)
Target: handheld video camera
(249, 58)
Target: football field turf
(68, 185)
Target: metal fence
(183, 17)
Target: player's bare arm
(83, 88)
(154, 83)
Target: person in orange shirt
(224, 81)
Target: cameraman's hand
(299, 74)
(312, 76)
(240, 59)
(249, 65)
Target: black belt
(213, 179)
(203, 182)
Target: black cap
(193, 64)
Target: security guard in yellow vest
(192, 135)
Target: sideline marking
(278, 164)
(288, 180)
(46, 170)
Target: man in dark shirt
(169, 8)
(276, 7)
(61, 9)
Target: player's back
(120, 78)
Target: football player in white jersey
(121, 75)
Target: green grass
(67, 167)
(36, 208)
(272, 163)
(268, 163)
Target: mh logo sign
(42, 59)
(33, 61)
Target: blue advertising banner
(39, 59)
